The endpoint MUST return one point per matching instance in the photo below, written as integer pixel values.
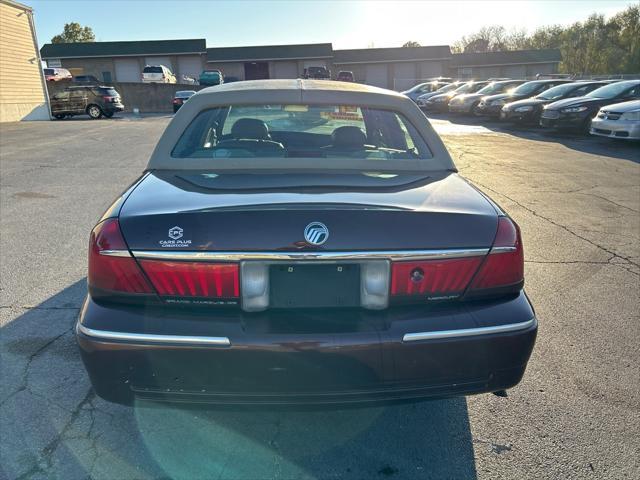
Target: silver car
(620, 120)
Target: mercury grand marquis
(303, 242)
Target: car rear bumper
(629, 130)
(307, 357)
(115, 107)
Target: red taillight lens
(504, 265)
(193, 279)
(111, 266)
(177, 101)
(433, 277)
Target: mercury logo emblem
(175, 233)
(316, 233)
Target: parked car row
(600, 107)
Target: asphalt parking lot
(575, 415)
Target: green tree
(595, 46)
(411, 43)
(74, 33)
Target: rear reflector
(193, 279)
(111, 266)
(433, 277)
(504, 265)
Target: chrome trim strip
(469, 332)
(502, 250)
(147, 337)
(310, 255)
(115, 253)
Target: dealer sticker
(175, 239)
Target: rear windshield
(558, 92)
(152, 70)
(495, 88)
(299, 131)
(211, 72)
(527, 88)
(448, 88)
(611, 91)
(108, 91)
(48, 71)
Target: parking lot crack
(24, 383)
(52, 446)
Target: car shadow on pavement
(53, 425)
(117, 117)
(609, 147)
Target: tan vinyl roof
(311, 92)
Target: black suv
(95, 101)
(317, 73)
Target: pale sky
(347, 24)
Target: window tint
(633, 93)
(152, 70)
(326, 131)
(107, 91)
(48, 71)
(612, 90)
(530, 88)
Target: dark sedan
(492, 104)
(319, 248)
(576, 113)
(180, 98)
(440, 103)
(529, 110)
(467, 102)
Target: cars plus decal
(175, 235)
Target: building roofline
(275, 59)
(505, 64)
(122, 55)
(392, 61)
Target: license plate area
(302, 285)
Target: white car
(620, 120)
(157, 74)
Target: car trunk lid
(226, 212)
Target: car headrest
(250, 128)
(349, 137)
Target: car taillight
(109, 99)
(177, 101)
(193, 279)
(504, 266)
(111, 266)
(433, 278)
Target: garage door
(376, 75)
(166, 61)
(190, 66)
(285, 69)
(430, 69)
(404, 76)
(127, 70)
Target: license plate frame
(304, 285)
